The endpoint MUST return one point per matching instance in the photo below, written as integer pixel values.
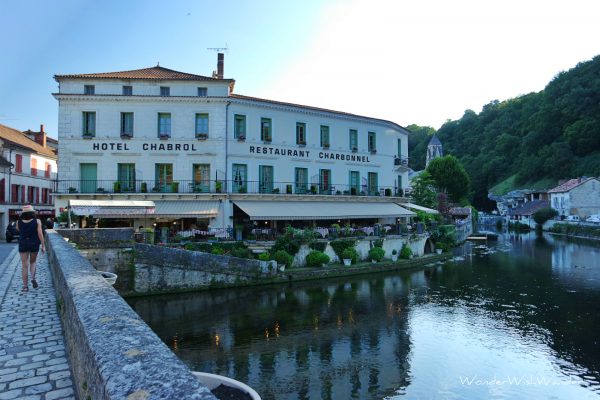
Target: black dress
(29, 242)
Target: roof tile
(19, 138)
(153, 73)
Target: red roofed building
(579, 196)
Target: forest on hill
(538, 137)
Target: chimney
(40, 137)
(220, 65)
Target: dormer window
(165, 91)
(202, 92)
(127, 90)
(89, 89)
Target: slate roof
(16, 137)
(568, 185)
(460, 211)
(152, 73)
(530, 207)
(434, 141)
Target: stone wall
(161, 268)
(113, 353)
(99, 238)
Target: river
(519, 320)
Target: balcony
(99, 187)
(401, 163)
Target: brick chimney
(40, 137)
(220, 65)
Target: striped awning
(420, 208)
(187, 209)
(112, 208)
(314, 210)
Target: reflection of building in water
(576, 264)
(337, 341)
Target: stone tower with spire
(434, 149)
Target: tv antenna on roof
(218, 48)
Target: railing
(221, 186)
(401, 162)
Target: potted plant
(72, 190)
(242, 189)
(394, 255)
(218, 186)
(117, 187)
(388, 192)
(241, 137)
(276, 190)
(313, 189)
(100, 190)
(288, 189)
(202, 136)
(265, 261)
(284, 259)
(144, 187)
(316, 259)
(405, 252)
(349, 256)
(174, 187)
(376, 254)
(353, 191)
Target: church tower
(434, 149)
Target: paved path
(33, 363)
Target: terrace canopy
(318, 210)
(112, 208)
(421, 208)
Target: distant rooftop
(152, 73)
(568, 185)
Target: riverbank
(305, 274)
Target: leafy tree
(423, 190)
(450, 176)
(544, 214)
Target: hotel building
(158, 146)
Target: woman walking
(30, 239)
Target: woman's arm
(41, 235)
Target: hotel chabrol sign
(124, 146)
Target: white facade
(579, 197)
(28, 173)
(232, 162)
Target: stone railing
(113, 353)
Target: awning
(313, 210)
(187, 209)
(112, 208)
(420, 208)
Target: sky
(411, 62)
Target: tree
(544, 214)
(450, 176)
(423, 190)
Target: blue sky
(409, 62)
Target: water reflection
(527, 308)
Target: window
(48, 170)
(239, 127)
(45, 196)
(89, 89)
(127, 90)
(324, 136)
(17, 194)
(265, 130)
(400, 148)
(202, 92)
(126, 176)
(89, 176)
(372, 142)
(325, 181)
(202, 126)
(201, 177)
(372, 184)
(400, 187)
(2, 189)
(265, 178)
(165, 91)
(89, 124)
(127, 124)
(163, 174)
(164, 125)
(240, 178)
(301, 180)
(300, 133)
(353, 134)
(33, 166)
(18, 163)
(354, 183)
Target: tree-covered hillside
(552, 134)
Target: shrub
(394, 252)
(320, 246)
(376, 254)
(203, 247)
(544, 214)
(498, 224)
(287, 242)
(316, 258)
(378, 243)
(340, 245)
(388, 192)
(405, 252)
(264, 256)
(241, 252)
(350, 253)
(218, 251)
(283, 257)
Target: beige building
(579, 196)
